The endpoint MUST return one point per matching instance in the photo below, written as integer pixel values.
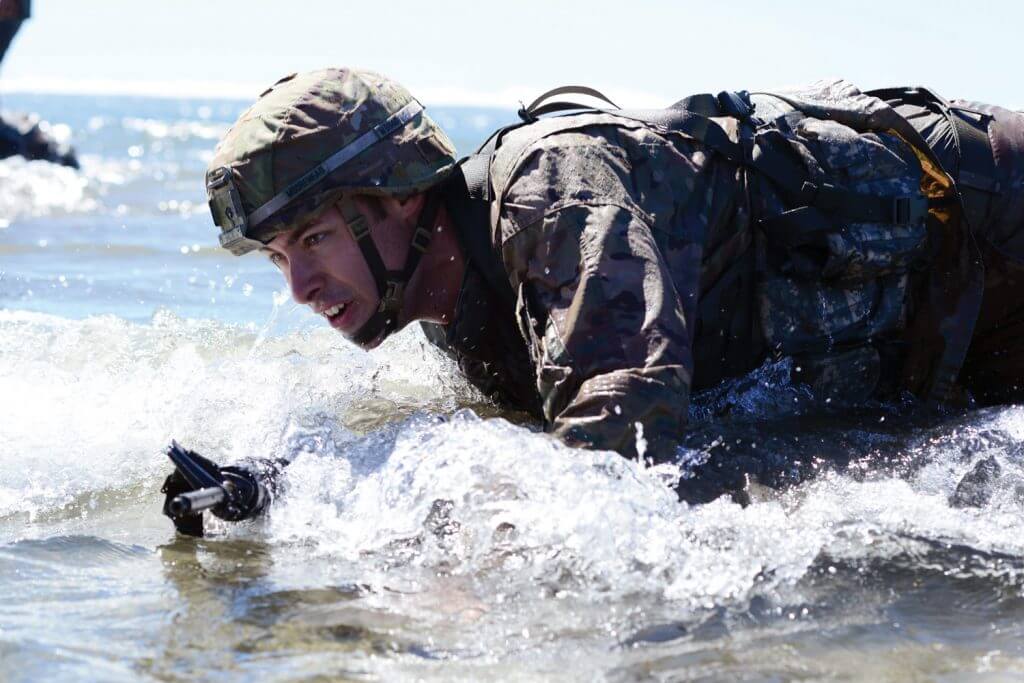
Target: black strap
(532, 112)
(476, 176)
(391, 283)
(361, 233)
(796, 227)
(977, 172)
(370, 329)
(466, 196)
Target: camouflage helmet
(312, 137)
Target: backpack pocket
(838, 261)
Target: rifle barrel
(196, 501)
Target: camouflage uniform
(641, 270)
(625, 263)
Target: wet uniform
(644, 266)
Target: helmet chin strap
(390, 283)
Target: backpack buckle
(392, 298)
(421, 239)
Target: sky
(640, 52)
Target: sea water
(422, 533)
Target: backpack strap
(537, 109)
(975, 175)
(977, 172)
(467, 195)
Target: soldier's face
(325, 269)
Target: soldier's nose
(305, 282)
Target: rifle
(233, 493)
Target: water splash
(88, 404)
(39, 188)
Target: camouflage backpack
(846, 194)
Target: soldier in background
(594, 269)
(20, 134)
(12, 13)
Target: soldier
(12, 13)
(595, 268)
(21, 134)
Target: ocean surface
(422, 534)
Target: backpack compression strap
(976, 178)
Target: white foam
(90, 404)
(38, 188)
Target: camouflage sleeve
(599, 310)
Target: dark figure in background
(20, 134)
(12, 13)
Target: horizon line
(510, 97)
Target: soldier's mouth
(339, 315)
(335, 310)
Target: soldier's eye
(275, 258)
(314, 239)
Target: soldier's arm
(605, 325)
(604, 321)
